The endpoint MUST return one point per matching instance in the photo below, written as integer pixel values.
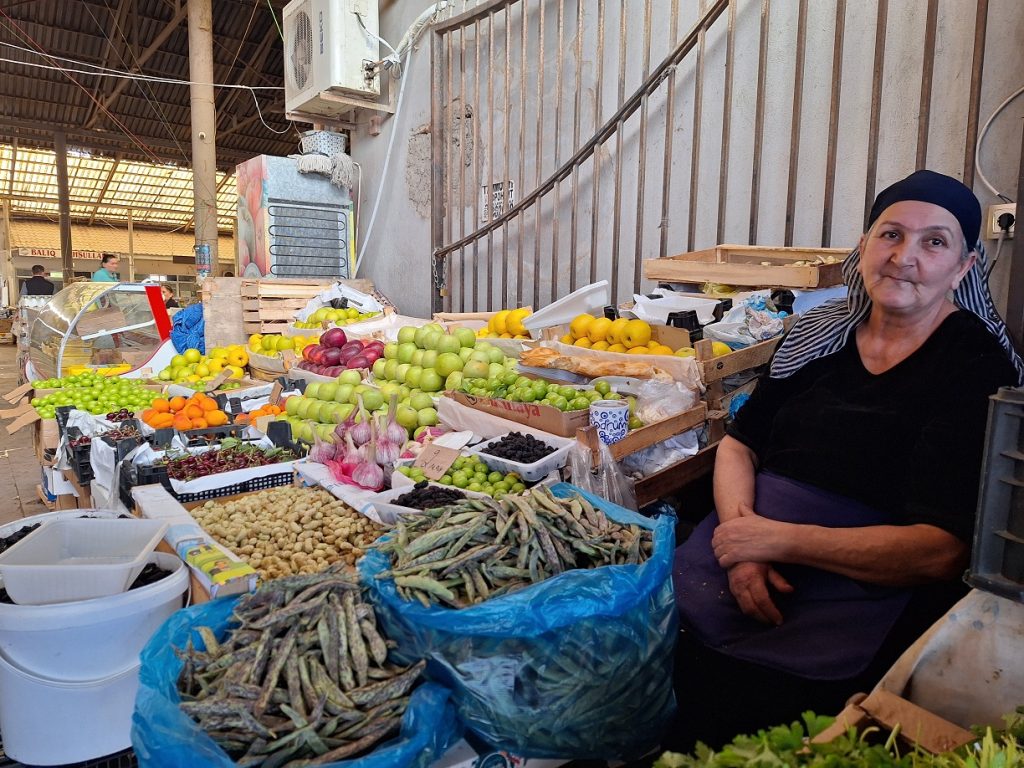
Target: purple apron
(832, 625)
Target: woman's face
(912, 257)
(165, 293)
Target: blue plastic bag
(164, 736)
(188, 329)
(579, 665)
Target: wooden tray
(750, 265)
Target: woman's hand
(749, 537)
(749, 583)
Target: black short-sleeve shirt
(908, 441)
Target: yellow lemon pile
(632, 337)
(191, 366)
(506, 324)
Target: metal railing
(533, 184)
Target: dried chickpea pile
(287, 531)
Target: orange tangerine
(193, 411)
(208, 405)
(177, 403)
(161, 405)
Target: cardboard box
(535, 415)
(917, 726)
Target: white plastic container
(537, 470)
(90, 639)
(53, 722)
(586, 299)
(68, 560)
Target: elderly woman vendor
(846, 488)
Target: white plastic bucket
(90, 639)
(51, 722)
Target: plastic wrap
(579, 665)
(164, 736)
(606, 481)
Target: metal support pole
(131, 248)
(204, 122)
(64, 204)
(11, 289)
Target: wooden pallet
(751, 265)
(270, 306)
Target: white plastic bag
(750, 321)
(658, 399)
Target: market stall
(377, 489)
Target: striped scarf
(825, 329)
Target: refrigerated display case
(118, 328)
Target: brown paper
(16, 394)
(19, 410)
(275, 393)
(263, 422)
(436, 460)
(23, 421)
(287, 359)
(216, 381)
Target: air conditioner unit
(327, 46)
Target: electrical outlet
(992, 215)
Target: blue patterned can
(204, 260)
(611, 417)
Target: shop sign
(54, 253)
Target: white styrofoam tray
(535, 471)
(68, 560)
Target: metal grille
(301, 56)
(307, 241)
(636, 129)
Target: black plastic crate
(153, 474)
(125, 445)
(997, 561)
(79, 457)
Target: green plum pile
(93, 393)
(472, 474)
(525, 390)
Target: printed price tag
(275, 393)
(436, 460)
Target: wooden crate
(750, 265)
(714, 369)
(645, 437)
(269, 306)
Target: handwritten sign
(275, 393)
(436, 460)
(287, 359)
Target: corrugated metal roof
(43, 234)
(143, 120)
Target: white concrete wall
(398, 256)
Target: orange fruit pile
(197, 412)
(263, 410)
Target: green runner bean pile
(463, 554)
(303, 680)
